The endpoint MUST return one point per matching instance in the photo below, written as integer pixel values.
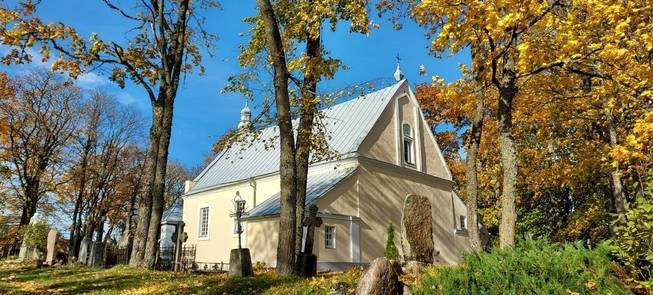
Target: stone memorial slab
(417, 230)
(51, 247)
(84, 249)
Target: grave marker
(53, 238)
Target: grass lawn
(22, 279)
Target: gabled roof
(317, 185)
(174, 213)
(347, 124)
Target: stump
(240, 263)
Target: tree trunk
(145, 200)
(470, 161)
(31, 201)
(287, 218)
(618, 194)
(471, 171)
(507, 93)
(88, 145)
(96, 248)
(129, 230)
(105, 242)
(152, 245)
(306, 121)
(72, 250)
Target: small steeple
(398, 74)
(245, 117)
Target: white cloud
(91, 80)
(125, 98)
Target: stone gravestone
(95, 254)
(83, 250)
(380, 278)
(26, 253)
(307, 260)
(22, 253)
(417, 230)
(51, 254)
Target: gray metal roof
(174, 213)
(347, 124)
(316, 187)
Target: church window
(329, 237)
(204, 223)
(408, 146)
(463, 222)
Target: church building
(386, 152)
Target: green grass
(531, 267)
(22, 279)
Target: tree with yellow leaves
(40, 118)
(276, 34)
(520, 42)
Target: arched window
(407, 132)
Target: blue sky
(201, 113)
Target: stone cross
(311, 221)
(51, 256)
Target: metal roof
(317, 186)
(347, 124)
(174, 213)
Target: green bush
(531, 267)
(35, 235)
(633, 241)
(391, 252)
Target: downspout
(252, 183)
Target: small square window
(463, 222)
(329, 237)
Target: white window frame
(326, 230)
(462, 219)
(411, 142)
(199, 222)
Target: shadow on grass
(220, 284)
(77, 280)
(111, 282)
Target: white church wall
(383, 191)
(384, 141)
(221, 239)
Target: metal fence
(211, 267)
(166, 258)
(116, 256)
